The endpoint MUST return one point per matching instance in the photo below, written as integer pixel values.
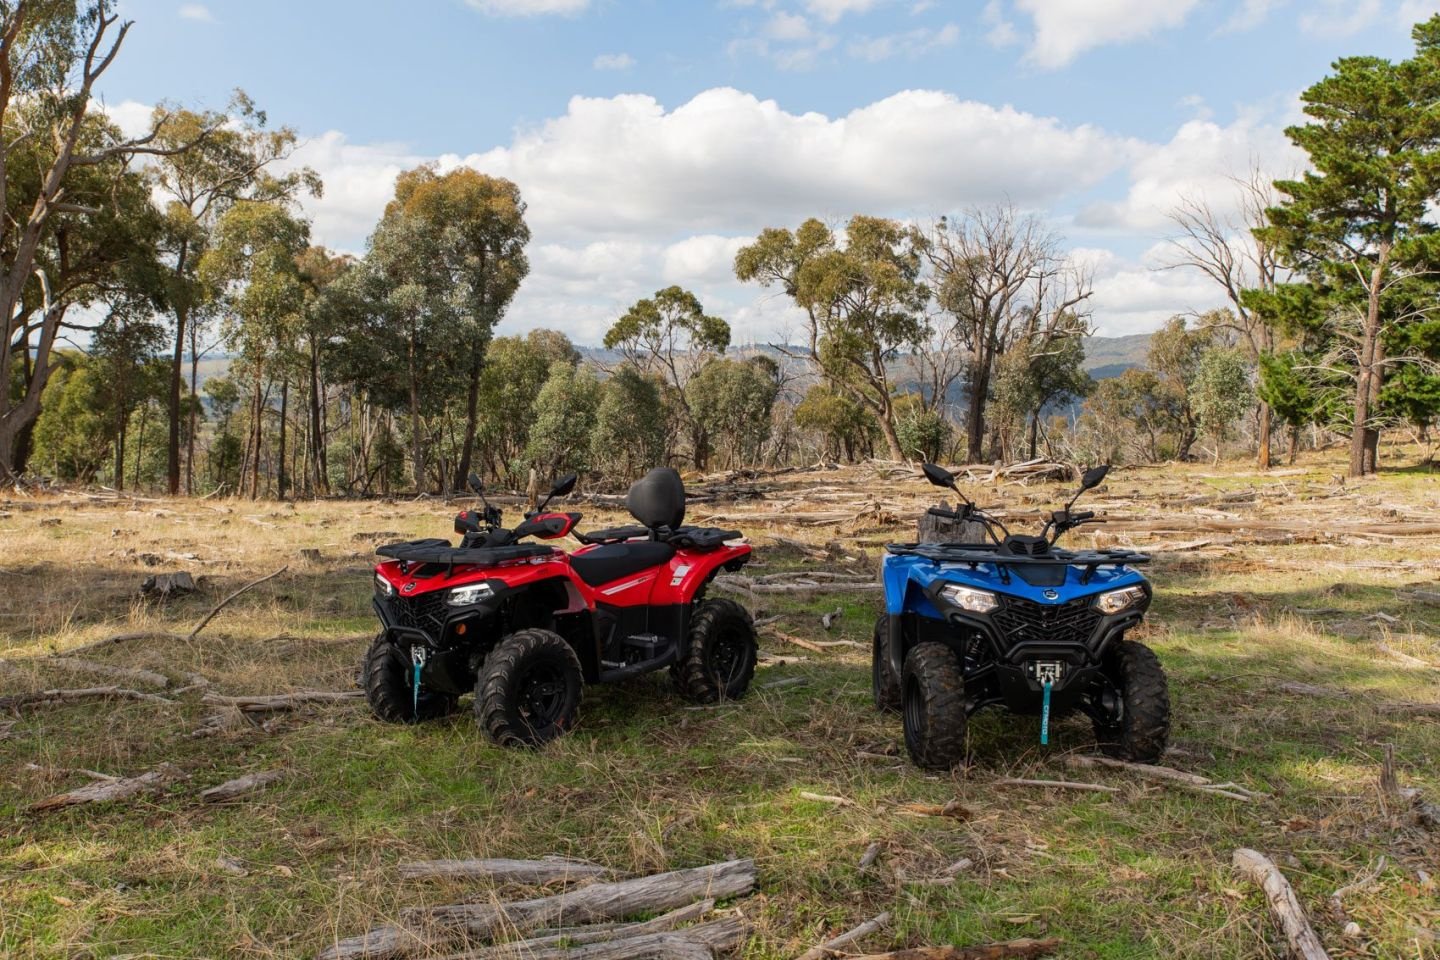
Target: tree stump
(165, 585)
(932, 529)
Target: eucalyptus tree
(472, 229)
(57, 156)
(253, 265)
(669, 336)
(230, 160)
(863, 303)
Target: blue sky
(651, 138)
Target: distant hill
(1111, 356)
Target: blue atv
(1018, 623)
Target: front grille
(1025, 621)
(425, 612)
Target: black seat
(612, 561)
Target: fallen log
(1056, 785)
(272, 703)
(501, 870)
(571, 937)
(43, 697)
(831, 947)
(1412, 709)
(1262, 871)
(1002, 950)
(871, 854)
(133, 674)
(826, 798)
(240, 786)
(598, 901)
(1187, 781)
(108, 789)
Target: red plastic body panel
(567, 519)
(674, 582)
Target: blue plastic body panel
(906, 577)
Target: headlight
(465, 596)
(383, 587)
(968, 598)
(1117, 600)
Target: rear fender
(689, 570)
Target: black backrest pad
(658, 498)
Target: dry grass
(645, 784)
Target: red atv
(524, 625)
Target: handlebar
(1082, 516)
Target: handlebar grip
(1083, 516)
(943, 513)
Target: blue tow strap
(1045, 717)
(415, 692)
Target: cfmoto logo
(410, 588)
(1049, 594)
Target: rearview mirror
(938, 475)
(475, 483)
(1093, 476)
(564, 485)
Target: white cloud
(1340, 18)
(196, 11)
(912, 43)
(528, 8)
(1199, 161)
(707, 258)
(1064, 29)
(132, 118)
(1250, 14)
(787, 26)
(832, 10)
(1002, 32)
(1133, 296)
(1412, 12)
(614, 61)
(728, 162)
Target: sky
(651, 139)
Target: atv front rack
(978, 553)
(441, 551)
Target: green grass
(645, 784)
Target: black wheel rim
(542, 695)
(727, 659)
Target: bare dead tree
(1000, 276)
(1225, 249)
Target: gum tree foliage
(1222, 392)
(229, 160)
(863, 303)
(1001, 278)
(1174, 356)
(56, 157)
(253, 265)
(563, 420)
(474, 226)
(226, 449)
(1129, 418)
(629, 433)
(924, 433)
(325, 312)
(847, 429)
(517, 369)
(732, 401)
(1036, 373)
(669, 336)
(1357, 225)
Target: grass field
(645, 784)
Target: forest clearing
(1297, 614)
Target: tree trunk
(257, 419)
(1034, 433)
(284, 418)
(177, 376)
(467, 448)
(317, 428)
(194, 412)
(1365, 441)
(1294, 442)
(1262, 437)
(892, 439)
(975, 413)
